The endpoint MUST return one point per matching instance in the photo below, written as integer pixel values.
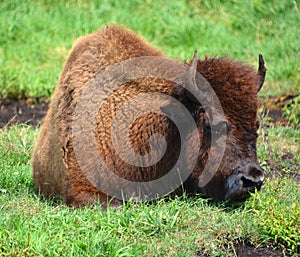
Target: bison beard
(56, 170)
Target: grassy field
(33, 226)
(35, 38)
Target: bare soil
(29, 111)
(273, 107)
(247, 250)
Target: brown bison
(57, 170)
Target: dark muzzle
(243, 181)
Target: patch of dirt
(276, 170)
(32, 110)
(29, 111)
(273, 107)
(247, 250)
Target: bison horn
(191, 84)
(261, 73)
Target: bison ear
(261, 73)
(190, 82)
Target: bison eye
(219, 129)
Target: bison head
(236, 86)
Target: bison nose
(243, 180)
(252, 177)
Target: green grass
(35, 36)
(33, 226)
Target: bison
(56, 169)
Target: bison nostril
(250, 183)
(252, 177)
(253, 171)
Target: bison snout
(252, 177)
(243, 181)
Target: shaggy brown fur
(55, 168)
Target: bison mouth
(239, 196)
